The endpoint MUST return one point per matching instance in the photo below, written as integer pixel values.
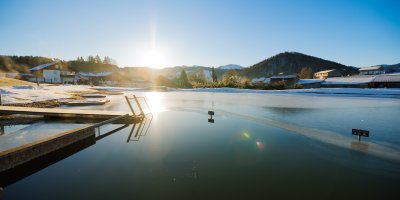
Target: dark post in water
(210, 119)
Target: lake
(259, 146)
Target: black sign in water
(360, 132)
(210, 119)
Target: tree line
(97, 60)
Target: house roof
(309, 81)
(388, 78)
(284, 76)
(261, 79)
(100, 74)
(326, 71)
(42, 66)
(348, 80)
(370, 68)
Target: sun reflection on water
(156, 104)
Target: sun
(153, 58)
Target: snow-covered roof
(370, 68)
(284, 76)
(261, 79)
(26, 74)
(100, 74)
(326, 71)
(42, 66)
(309, 81)
(387, 78)
(348, 80)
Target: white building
(51, 73)
(371, 70)
(260, 81)
(52, 76)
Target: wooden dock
(68, 113)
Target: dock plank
(59, 112)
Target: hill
(21, 63)
(391, 68)
(230, 66)
(292, 63)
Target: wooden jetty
(14, 157)
(68, 113)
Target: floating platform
(111, 92)
(86, 102)
(93, 95)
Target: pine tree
(107, 60)
(214, 75)
(97, 59)
(90, 59)
(184, 82)
(306, 73)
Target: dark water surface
(260, 146)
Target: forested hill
(24, 63)
(292, 63)
(21, 63)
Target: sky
(168, 33)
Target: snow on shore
(29, 94)
(376, 92)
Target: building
(140, 83)
(68, 77)
(51, 73)
(327, 73)
(389, 81)
(287, 79)
(375, 70)
(310, 83)
(348, 82)
(101, 78)
(260, 81)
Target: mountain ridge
(292, 63)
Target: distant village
(368, 77)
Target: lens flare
(246, 135)
(260, 145)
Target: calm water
(261, 145)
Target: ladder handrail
(130, 106)
(139, 106)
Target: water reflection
(360, 146)
(17, 173)
(17, 121)
(289, 110)
(156, 102)
(141, 129)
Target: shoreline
(50, 96)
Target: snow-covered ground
(376, 92)
(27, 94)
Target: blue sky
(206, 32)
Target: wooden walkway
(66, 113)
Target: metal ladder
(142, 114)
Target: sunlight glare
(153, 58)
(155, 100)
